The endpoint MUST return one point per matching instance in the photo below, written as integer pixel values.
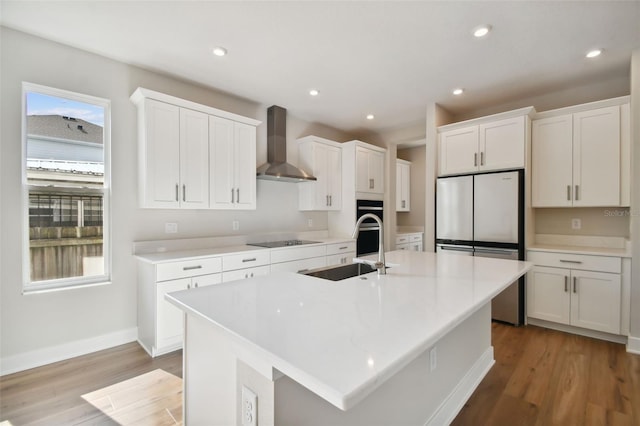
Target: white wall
(43, 322)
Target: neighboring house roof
(62, 127)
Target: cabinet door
(548, 296)
(244, 163)
(205, 280)
(169, 317)
(321, 172)
(241, 274)
(596, 157)
(595, 301)
(403, 182)
(334, 174)
(341, 259)
(502, 144)
(376, 172)
(161, 158)
(551, 162)
(416, 245)
(194, 159)
(459, 151)
(405, 246)
(363, 184)
(221, 185)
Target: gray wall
(45, 320)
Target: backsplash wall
(595, 221)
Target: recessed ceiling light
(458, 91)
(370, 117)
(219, 51)
(313, 92)
(593, 53)
(481, 31)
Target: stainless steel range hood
(276, 167)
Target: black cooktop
(285, 243)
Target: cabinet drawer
(297, 252)
(299, 265)
(241, 274)
(245, 260)
(402, 239)
(188, 268)
(576, 261)
(415, 238)
(339, 248)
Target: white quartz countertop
(179, 255)
(341, 340)
(596, 251)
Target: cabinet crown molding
(141, 94)
(582, 107)
(530, 111)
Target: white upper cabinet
(484, 144)
(194, 164)
(232, 155)
(159, 154)
(323, 159)
(180, 167)
(403, 186)
(579, 159)
(369, 170)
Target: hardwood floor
(52, 394)
(546, 377)
(541, 377)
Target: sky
(39, 104)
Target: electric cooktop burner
(285, 243)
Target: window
(66, 188)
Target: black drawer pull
(253, 259)
(577, 262)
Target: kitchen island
(408, 347)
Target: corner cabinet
(581, 159)
(178, 166)
(323, 159)
(496, 142)
(403, 186)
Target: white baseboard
(450, 408)
(633, 345)
(51, 354)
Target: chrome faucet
(380, 264)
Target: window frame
(29, 286)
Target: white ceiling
(388, 58)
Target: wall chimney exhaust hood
(276, 167)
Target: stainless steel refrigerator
(483, 215)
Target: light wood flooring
(541, 377)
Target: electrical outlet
(249, 407)
(576, 223)
(433, 359)
(170, 228)
(235, 225)
(310, 223)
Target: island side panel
(415, 395)
(209, 374)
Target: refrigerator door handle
(495, 250)
(453, 248)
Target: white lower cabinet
(169, 325)
(574, 296)
(245, 265)
(409, 242)
(341, 253)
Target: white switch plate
(249, 407)
(576, 223)
(170, 228)
(310, 222)
(235, 225)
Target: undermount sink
(342, 272)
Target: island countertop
(342, 339)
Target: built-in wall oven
(368, 238)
